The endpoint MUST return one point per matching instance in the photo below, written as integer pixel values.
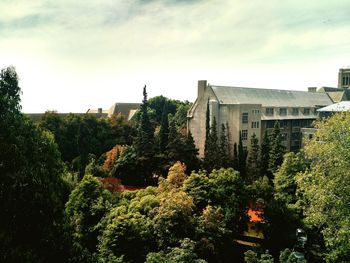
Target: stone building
(251, 110)
(344, 78)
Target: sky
(72, 55)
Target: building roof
(126, 109)
(270, 97)
(340, 106)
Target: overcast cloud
(72, 55)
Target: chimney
(202, 84)
(311, 89)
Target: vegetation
(56, 204)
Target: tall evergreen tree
(190, 154)
(224, 152)
(164, 128)
(277, 150)
(235, 157)
(253, 160)
(174, 146)
(265, 156)
(241, 157)
(207, 130)
(144, 141)
(211, 158)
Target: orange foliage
(111, 156)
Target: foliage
(212, 153)
(253, 160)
(227, 190)
(173, 219)
(184, 253)
(288, 256)
(87, 205)
(251, 256)
(224, 150)
(197, 186)
(123, 233)
(277, 149)
(242, 157)
(32, 189)
(111, 157)
(265, 156)
(326, 185)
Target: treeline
(55, 206)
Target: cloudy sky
(72, 55)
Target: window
(269, 111)
(295, 111)
(244, 135)
(255, 111)
(270, 124)
(306, 111)
(283, 124)
(296, 123)
(255, 124)
(283, 111)
(245, 117)
(284, 136)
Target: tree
(253, 257)
(175, 145)
(88, 203)
(164, 129)
(227, 190)
(265, 156)
(235, 157)
(242, 157)
(224, 150)
(253, 161)
(123, 233)
(144, 141)
(173, 219)
(190, 154)
(212, 157)
(32, 189)
(326, 185)
(184, 253)
(277, 149)
(285, 178)
(197, 186)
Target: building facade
(251, 110)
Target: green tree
(87, 205)
(125, 232)
(32, 189)
(326, 185)
(184, 253)
(212, 157)
(265, 156)
(227, 190)
(253, 159)
(173, 219)
(175, 145)
(197, 186)
(235, 164)
(224, 150)
(144, 141)
(277, 149)
(242, 157)
(164, 129)
(251, 256)
(190, 154)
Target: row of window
(346, 80)
(284, 111)
(284, 135)
(284, 123)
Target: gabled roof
(270, 97)
(126, 109)
(341, 106)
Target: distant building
(344, 78)
(251, 110)
(126, 109)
